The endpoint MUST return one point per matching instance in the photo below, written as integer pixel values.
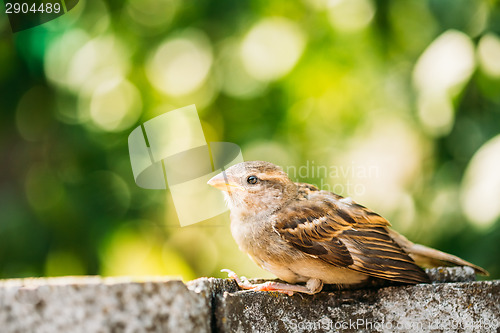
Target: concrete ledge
(469, 307)
(93, 304)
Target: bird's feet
(285, 288)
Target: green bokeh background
(338, 84)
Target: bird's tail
(428, 257)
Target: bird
(309, 237)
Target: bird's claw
(243, 283)
(271, 286)
(230, 273)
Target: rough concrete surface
(469, 307)
(94, 304)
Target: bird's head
(255, 187)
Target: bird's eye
(252, 180)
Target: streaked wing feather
(345, 234)
(377, 254)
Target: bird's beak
(220, 181)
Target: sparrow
(302, 234)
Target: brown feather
(345, 234)
(427, 257)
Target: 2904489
(25, 8)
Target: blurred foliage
(398, 100)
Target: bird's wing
(345, 234)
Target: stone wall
(93, 304)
